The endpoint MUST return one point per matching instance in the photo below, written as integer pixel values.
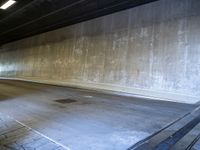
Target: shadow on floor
(12, 89)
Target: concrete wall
(151, 50)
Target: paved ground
(85, 120)
(197, 145)
(180, 135)
(15, 136)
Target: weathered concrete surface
(96, 121)
(197, 145)
(179, 135)
(15, 136)
(150, 50)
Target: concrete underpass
(100, 75)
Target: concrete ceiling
(30, 17)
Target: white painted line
(57, 143)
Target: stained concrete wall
(151, 50)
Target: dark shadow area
(198, 103)
(13, 89)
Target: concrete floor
(15, 136)
(89, 120)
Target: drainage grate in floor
(65, 101)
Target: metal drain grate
(65, 101)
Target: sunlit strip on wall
(7, 4)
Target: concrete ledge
(117, 90)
